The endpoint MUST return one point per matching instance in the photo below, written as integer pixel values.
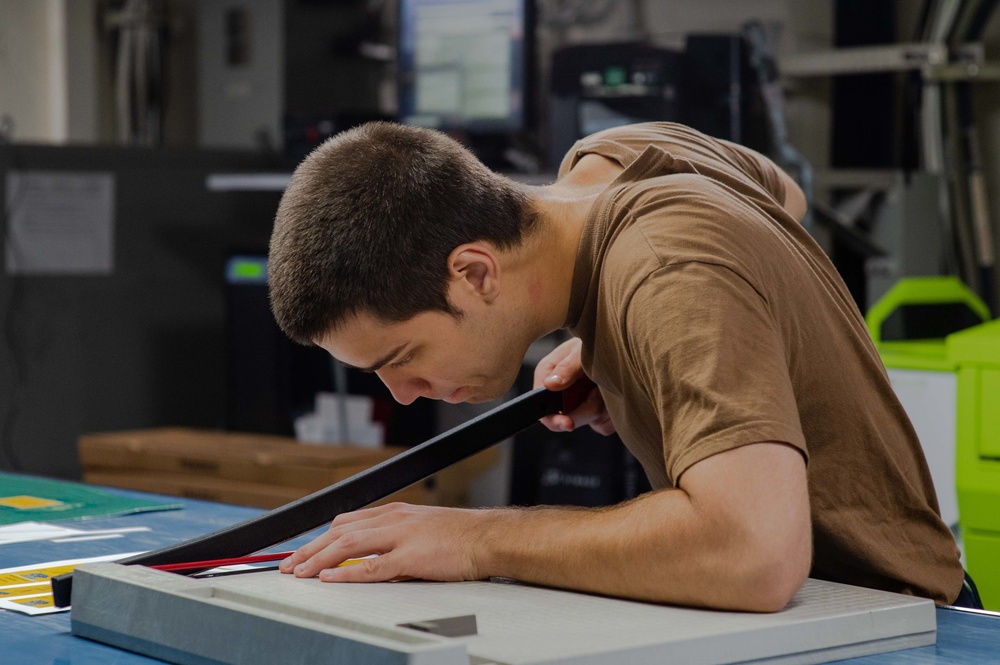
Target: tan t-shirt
(711, 320)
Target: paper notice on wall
(59, 222)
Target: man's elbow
(773, 589)
(795, 203)
(775, 577)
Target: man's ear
(475, 270)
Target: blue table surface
(962, 637)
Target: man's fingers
(312, 548)
(349, 545)
(555, 381)
(375, 569)
(560, 367)
(559, 423)
(366, 513)
(590, 412)
(340, 525)
(546, 367)
(305, 552)
(566, 371)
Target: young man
(725, 349)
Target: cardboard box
(251, 469)
(257, 458)
(223, 490)
(451, 486)
(240, 468)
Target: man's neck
(545, 263)
(552, 255)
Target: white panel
(516, 624)
(238, 103)
(930, 400)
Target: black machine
(708, 86)
(579, 468)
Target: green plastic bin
(976, 353)
(920, 354)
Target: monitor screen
(462, 64)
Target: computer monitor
(464, 65)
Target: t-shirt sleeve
(707, 350)
(759, 168)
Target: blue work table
(963, 637)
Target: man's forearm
(656, 548)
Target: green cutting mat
(31, 499)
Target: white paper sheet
(59, 223)
(24, 532)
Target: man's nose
(406, 390)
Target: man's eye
(403, 361)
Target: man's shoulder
(624, 143)
(681, 213)
(646, 133)
(655, 227)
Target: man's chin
(487, 393)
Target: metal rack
(949, 59)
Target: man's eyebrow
(382, 362)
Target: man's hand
(558, 371)
(425, 542)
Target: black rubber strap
(378, 482)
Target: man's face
(474, 358)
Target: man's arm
(734, 535)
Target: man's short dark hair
(368, 222)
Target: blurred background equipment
(708, 85)
(139, 35)
(467, 69)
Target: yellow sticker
(36, 601)
(26, 590)
(35, 575)
(25, 502)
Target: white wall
(48, 69)
(26, 64)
